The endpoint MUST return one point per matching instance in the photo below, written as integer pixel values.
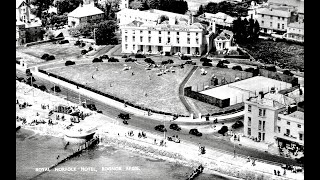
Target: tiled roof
(225, 35)
(85, 10)
(296, 25)
(274, 12)
(297, 114)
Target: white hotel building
(154, 38)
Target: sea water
(36, 153)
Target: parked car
(175, 127)
(170, 61)
(185, 58)
(206, 64)
(44, 56)
(195, 132)
(130, 60)
(68, 63)
(237, 67)
(149, 60)
(97, 60)
(223, 130)
(43, 88)
(83, 52)
(63, 41)
(224, 61)
(160, 128)
(237, 124)
(56, 89)
(221, 65)
(191, 62)
(140, 56)
(92, 107)
(124, 116)
(104, 56)
(112, 59)
(124, 56)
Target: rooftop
(274, 12)
(275, 100)
(299, 4)
(298, 25)
(225, 35)
(85, 10)
(19, 2)
(297, 114)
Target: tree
(66, 6)
(105, 33)
(153, 4)
(200, 10)
(109, 7)
(41, 5)
(136, 4)
(163, 18)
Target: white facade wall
(266, 132)
(126, 17)
(269, 24)
(285, 122)
(131, 40)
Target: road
(147, 124)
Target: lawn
(144, 87)
(60, 51)
(282, 53)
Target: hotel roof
(297, 114)
(85, 10)
(275, 100)
(274, 12)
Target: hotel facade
(152, 38)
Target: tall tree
(109, 7)
(41, 5)
(66, 6)
(105, 33)
(200, 10)
(136, 4)
(153, 4)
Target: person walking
(275, 172)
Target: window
(264, 112)
(149, 39)
(159, 48)
(263, 125)
(278, 25)
(168, 40)
(141, 38)
(278, 18)
(279, 129)
(197, 41)
(299, 125)
(188, 33)
(288, 122)
(188, 40)
(262, 22)
(149, 32)
(197, 34)
(270, 24)
(168, 32)
(177, 33)
(288, 132)
(259, 126)
(140, 31)
(282, 18)
(300, 137)
(126, 46)
(125, 38)
(260, 112)
(249, 131)
(159, 39)
(159, 32)
(282, 26)
(177, 40)
(249, 121)
(279, 119)
(125, 31)
(249, 108)
(271, 17)
(134, 46)
(133, 32)
(133, 38)
(262, 15)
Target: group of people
(43, 106)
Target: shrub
(44, 56)
(63, 41)
(271, 68)
(83, 52)
(221, 65)
(51, 57)
(170, 61)
(77, 43)
(42, 88)
(149, 60)
(204, 59)
(287, 72)
(164, 62)
(97, 60)
(90, 48)
(250, 69)
(83, 44)
(239, 68)
(130, 60)
(223, 130)
(124, 56)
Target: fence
(109, 96)
(41, 42)
(279, 76)
(205, 98)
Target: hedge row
(109, 96)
